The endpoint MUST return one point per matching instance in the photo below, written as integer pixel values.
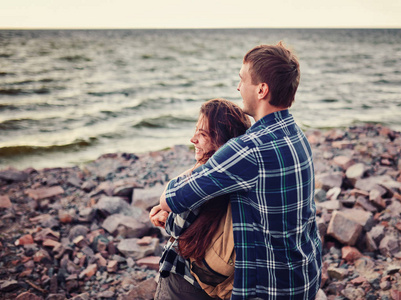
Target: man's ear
(263, 90)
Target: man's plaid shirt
(269, 175)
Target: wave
(75, 58)
(166, 121)
(16, 91)
(9, 151)
(125, 92)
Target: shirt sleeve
(232, 168)
(176, 224)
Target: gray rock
(321, 295)
(320, 195)
(144, 290)
(9, 285)
(389, 246)
(76, 231)
(131, 248)
(116, 205)
(132, 227)
(344, 229)
(327, 181)
(369, 183)
(364, 218)
(148, 197)
(13, 175)
(355, 172)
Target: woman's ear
(263, 90)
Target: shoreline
(84, 233)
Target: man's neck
(267, 110)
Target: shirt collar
(270, 119)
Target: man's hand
(158, 216)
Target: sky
(114, 14)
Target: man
(269, 175)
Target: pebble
(84, 233)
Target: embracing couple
(261, 177)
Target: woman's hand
(158, 216)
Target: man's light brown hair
(279, 68)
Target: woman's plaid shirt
(269, 175)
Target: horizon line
(187, 28)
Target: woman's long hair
(225, 120)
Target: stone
(147, 197)
(320, 195)
(116, 205)
(51, 243)
(46, 192)
(80, 241)
(130, 248)
(56, 297)
(329, 205)
(9, 285)
(112, 266)
(333, 193)
(83, 296)
(353, 293)
(41, 256)
(76, 231)
(392, 269)
(89, 271)
(344, 229)
(358, 280)
(132, 226)
(355, 172)
(350, 254)
(101, 261)
(327, 181)
(104, 167)
(5, 202)
(124, 188)
(367, 184)
(377, 233)
(13, 175)
(65, 216)
(152, 262)
(370, 244)
(24, 240)
(45, 220)
(343, 161)
(320, 295)
(144, 290)
(337, 273)
(360, 216)
(106, 294)
(87, 214)
(28, 296)
(365, 204)
(46, 234)
(389, 246)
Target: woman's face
(201, 139)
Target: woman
(219, 120)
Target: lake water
(68, 96)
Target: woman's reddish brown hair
(225, 120)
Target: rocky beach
(84, 233)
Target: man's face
(247, 90)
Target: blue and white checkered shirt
(269, 175)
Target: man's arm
(163, 202)
(232, 168)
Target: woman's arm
(176, 224)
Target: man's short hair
(279, 68)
